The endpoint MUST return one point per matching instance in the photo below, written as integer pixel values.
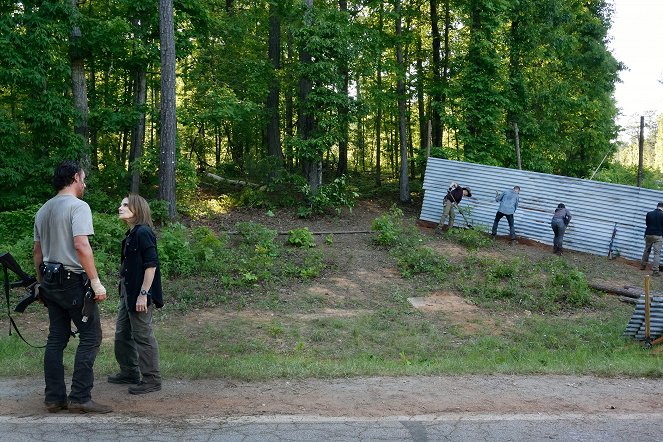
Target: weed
(389, 227)
(301, 237)
(471, 238)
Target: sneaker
(145, 387)
(643, 267)
(514, 242)
(656, 274)
(89, 407)
(54, 407)
(122, 379)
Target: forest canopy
(299, 93)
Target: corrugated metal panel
(595, 206)
(636, 326)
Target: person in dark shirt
(455, 194)
(136, 347)
(559, 223)
(653, 239)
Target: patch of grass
(549, 285)
(473, 239)
(247, 312)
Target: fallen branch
(342, 232)
(229, 181)
(629, 292)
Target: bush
(389, 227)
(417, 260)
(333, 196)
(471, 238)
(175, 251)
(301, 238)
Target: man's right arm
(37, 259)
(86, 258)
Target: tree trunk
(445, 68)
(343, 110)
(78, 85)
(312, 164)
(289, 111)
(168, 138)
(435, 95)
(138, 131)
(378, 118)
(423, 132)
(400, 92)
(274, 53)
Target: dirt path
(363, 397)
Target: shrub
(175, 251)
(417, 260)
(389, 227)
(301, 238)
(335, 196)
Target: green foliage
(417, 260)
(17, 224)
(628, 175)
(471, 238)
(159, 209)
(389, 227)
(335, 195)
(550, 285)
(301, 237)
(176, 254)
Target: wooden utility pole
(517, 137)
(641, 148)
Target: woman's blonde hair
(141, 210)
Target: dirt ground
(366, 274)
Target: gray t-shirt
(57, 222)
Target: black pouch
(53, 273)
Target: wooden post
(430, 134)
(647, 312)
(641, 148)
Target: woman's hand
(141, 304)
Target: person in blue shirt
(508, 205)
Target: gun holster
(53, 273)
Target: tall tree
(436, 99)
(274, 53)
(78, 84)
(404, 181)
(168, 118)
(311, 160)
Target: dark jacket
(454, 195)
(654, 221)
(139, 252)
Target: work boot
(145, 387)
(122, 379)
(89, 407)
(54, 407)
(438, 230)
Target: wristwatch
(144, 292)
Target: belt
(68, 274)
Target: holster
(53, 273)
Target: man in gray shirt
(64, 263)
(508, 204)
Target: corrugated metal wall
(595, 206)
